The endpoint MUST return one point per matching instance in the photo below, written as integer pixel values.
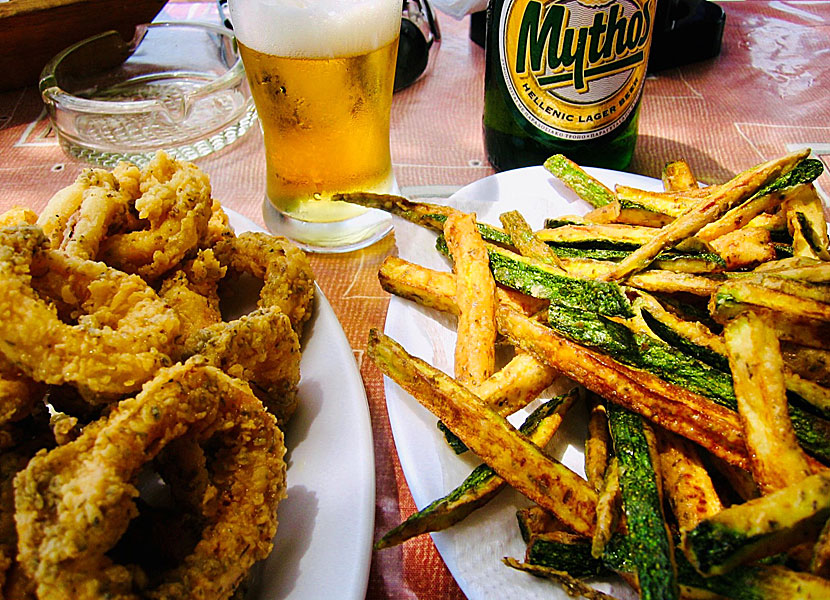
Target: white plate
(474, 548)
(323, 545)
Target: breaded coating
(74, 502)
(193, 292)
(261, 348)
(288, 282)
(175, 205)
(123, 332)
(18, 215)
(18, 393)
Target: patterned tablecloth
(764, 95)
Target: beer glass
(321, 74)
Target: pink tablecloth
(764, 95)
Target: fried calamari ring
(123, 332)
(288, 282)
(78, 217)
(176, 204)
(74, 502)
(261, 348)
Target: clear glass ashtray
(176, 86)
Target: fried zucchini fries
(695, 324)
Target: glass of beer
(321, 74)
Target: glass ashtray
(176, 86)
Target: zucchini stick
(632, 214)
(761, 527)
(615, 234)
(660, 202)
(597, 444)
(652, 280)
(686, 482)
(431, 216)
(677, 176)
(706, 211)
(649, 541)
(573, 586)
(541, 281)
(818, 272)
(575, 177)
(521, 463)
(807, 224)
(691, 337)
(426, 287)
(526, 241)
(482, 484)
(608, 508)
(714, 427)
(671, 282)
(436, 289)
(776, 459)
(726, 301)
(475, 296)
(516, 384)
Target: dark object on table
(478, 27)
(685, 31)
(420, 38)
(32, 32)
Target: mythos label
(575, 68)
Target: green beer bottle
(564, 76)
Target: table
(765, 94)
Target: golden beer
(326, 127)
(321, 74)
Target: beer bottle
(564, 76)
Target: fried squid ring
(74, 502)
(175, 203)
(261, 348)
(123, 332)
(80, 216)
(288, 282)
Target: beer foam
(315, 28)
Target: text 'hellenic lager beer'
(565, 76)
